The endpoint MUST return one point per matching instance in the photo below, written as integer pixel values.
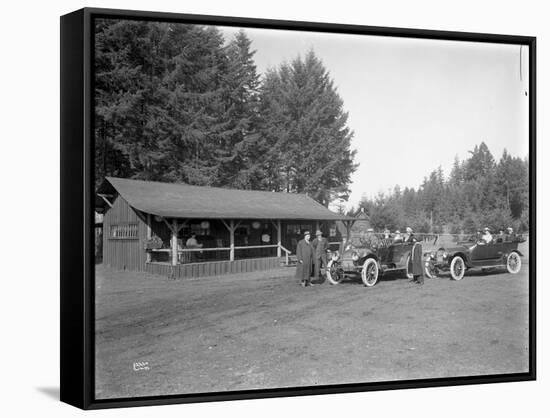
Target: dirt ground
(262, 330)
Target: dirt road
(262, 330)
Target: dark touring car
(357, 257)
(472, 254)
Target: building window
(126, 231)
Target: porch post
(148, 253)
(174, 242)
(317, 226)
(232, 240)
(279, 240)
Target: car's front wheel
(513, 263)
(369, 273)
(429, 269)
(458, 268)
(334, 272)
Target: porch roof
(174, 200)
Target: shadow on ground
(50, 391)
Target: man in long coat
(304, 255)
(320, 247)
(416, 257)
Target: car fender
(462, 254)
(514, 251)
(369, 254)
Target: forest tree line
(179, 103)
(479, 192)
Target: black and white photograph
(299, 209)
(275, 209)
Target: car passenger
(409, 236)
(370, 240)
(397, 237)
(487, 237)
(510, 234)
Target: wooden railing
(230, 249)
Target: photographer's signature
(141, 365)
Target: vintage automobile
(474, 254)
(357, 257)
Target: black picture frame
(77, 214)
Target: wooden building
(147, 226)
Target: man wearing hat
(304, 255)
(510, 235)
(320, 248)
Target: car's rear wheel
(458, 268)
(334, 272)
(409, 268)
(369, 273)
(513, 263)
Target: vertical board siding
(123, 254)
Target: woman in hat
(409, 236)
(486, 237)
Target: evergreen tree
(304, 124)
(478, 193)
(238, 152)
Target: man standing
(417, 265)
(320, 247)
(416, 257)
(304, 254)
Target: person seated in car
(397, 238)
(487, 237)
(510, 234)
(409, 236)
(500, 236)
(370, 239)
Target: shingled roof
(173, 200)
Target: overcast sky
(414, 104)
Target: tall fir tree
(237, 153)
(304, 124)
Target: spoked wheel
(369, 274)
(458, 268)
(409, 267)
(334, 272)
(429, 269)
(513, 263)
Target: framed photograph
(255, 208)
